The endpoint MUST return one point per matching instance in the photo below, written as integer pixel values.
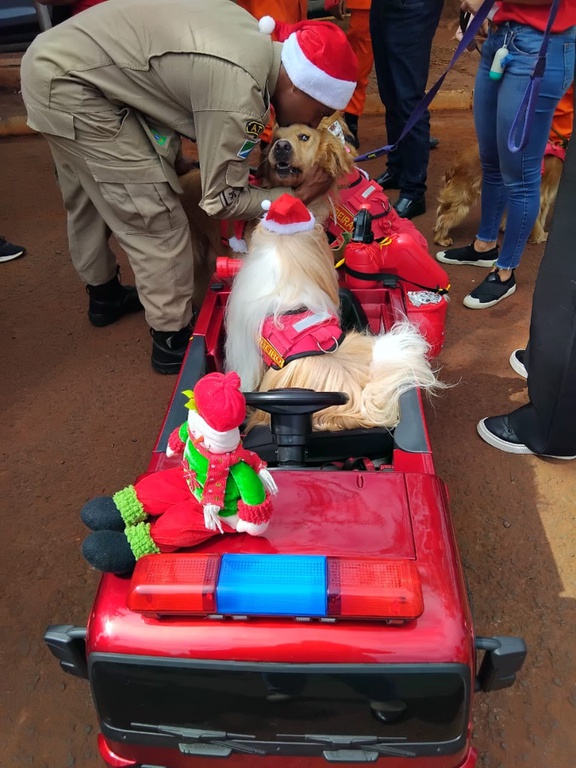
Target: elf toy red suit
(220, 487)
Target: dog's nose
(282, 150)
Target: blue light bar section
(272, 585)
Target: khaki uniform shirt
(198, 68)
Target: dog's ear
(334, 157)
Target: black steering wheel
(291, 418)
(297, 401)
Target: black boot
(352, 123)
(110, 301)
(169, 348)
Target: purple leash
(523, 119)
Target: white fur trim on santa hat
(266, 25)
(289, 229)
(312, 80)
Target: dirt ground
(81, 408)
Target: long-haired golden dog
(292, 152)
(293, 274)
(461, 190)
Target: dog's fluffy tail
(399, 363)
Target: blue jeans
(512, 179)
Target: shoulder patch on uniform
(246, 148)
(254, 128)
(228, 196)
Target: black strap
(387, 277)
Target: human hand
(336, 7)
(471, 6)
(316, 184)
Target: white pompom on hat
(317, 58)
(287, 216)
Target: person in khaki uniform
(112, 90)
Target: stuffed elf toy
(220, 487)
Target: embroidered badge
(254, 128)
(246, 148)
(272, 353)
(227, 196)
(159, 138)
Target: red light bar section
(174, 584)
(374, 589)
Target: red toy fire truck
(343, 635)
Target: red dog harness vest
(358, 190)
(301, 334)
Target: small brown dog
(462, 187)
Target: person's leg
(547, 425)
(521, 171)
(408, 31)
(88, 233)
(493, 196)
(382, 35)
(121, 173)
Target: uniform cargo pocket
(142, 200)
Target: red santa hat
(317, 58)
(287, 215)
(219, 401)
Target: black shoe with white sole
(497, 432)
(9, 251)
(517, 362)
(468, 255)
(490, 291)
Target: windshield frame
(308, 745)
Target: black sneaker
(168, 349)
(110, 301)
(9, 251)
(517, 362)
(490, 291)
(467, 255)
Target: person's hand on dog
(316, 183)
(471, 6)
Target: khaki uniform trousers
(112, 179)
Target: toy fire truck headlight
(298, 586)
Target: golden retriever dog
(283, 330)
(285, 162)
(461, 190)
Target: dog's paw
(439, 240)
(538, 236)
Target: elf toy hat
(317, 58)
(287, 215)
(218, 400)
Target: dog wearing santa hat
(283, 328)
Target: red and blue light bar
(297, 586)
